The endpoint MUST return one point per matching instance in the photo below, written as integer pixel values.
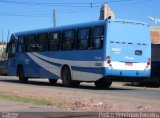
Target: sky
(23, 15)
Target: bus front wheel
(21, 75)
(103, 83)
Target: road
(86, 98)
(117, 89)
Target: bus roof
(59, 28)
(73, 26)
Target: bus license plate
(128, 64)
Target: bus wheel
(52, 81)
(21, 75)
(103, 83)
(66, 77)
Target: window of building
(30, 43)
(21, 46)
(54, 41)
(83, 39)
(98, 35)
(68, 40)
(41, 42)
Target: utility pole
(2, 36)
(54, 18)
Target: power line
(70, 4)
(24, 15)
(43, 4)
(64, 12)
(133, 3)
(64, 4)
(41, 15)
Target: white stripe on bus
(70, 62)
(49, 67)
(77, 75)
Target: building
(106, 12)
(3, 51)
(3, 58)
(155, 35)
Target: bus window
(41, 42)
(98, 35)
(54, 41)
(68, 40)
(31, 43)
(83, 39)
(21, 47)
(11, 47)
(13, 50)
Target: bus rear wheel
(52, 81)
(66, 77)
(21, 75)
(103, 83)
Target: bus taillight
(108, 59)
(109, 62)
(148, 64)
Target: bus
(100, 52)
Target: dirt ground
(80, 101)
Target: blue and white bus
(99, 52)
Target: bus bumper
(129, 75)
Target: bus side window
(54, 41)
(21, 47)
(98, 35)
(83, 39)
(30, 43)
(68, 40)
(41, 42)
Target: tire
(52, 81)
(66, 78)
(102, 83)
(21, 75)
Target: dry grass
(5, 95)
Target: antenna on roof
(54, 18)
(8, 36)
(2, 36)
(155, 20)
